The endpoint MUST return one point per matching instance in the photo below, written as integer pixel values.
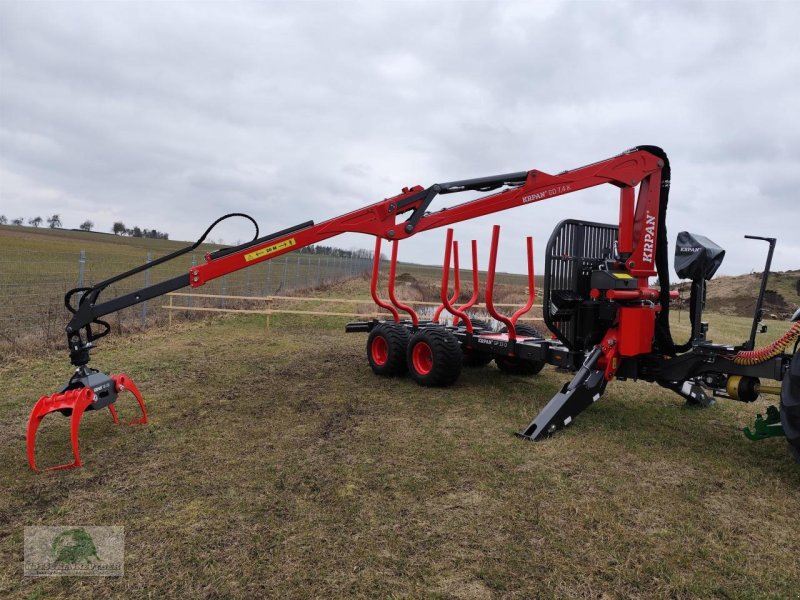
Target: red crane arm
(638, 225)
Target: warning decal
(277, 247)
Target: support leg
(585, 388)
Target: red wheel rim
(422, 357)
(379, 350)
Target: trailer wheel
(434, 357)
(386, 349)
(511, 365)
(475, 358)
(472, 357)
(790, 407)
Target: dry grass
(279, 466)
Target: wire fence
(33, 284)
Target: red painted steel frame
(456, 282)
(446, 279)
(531, 285)
(476, 289)
(373, 284)
(392, 297)
(509, 323)
(624, 171)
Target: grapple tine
(123, 382)
(113, 412)
(76, 401)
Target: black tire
(386, 349)
(523, 330)
(475, 358)
(480, 324)
(434, 357)
(511, 365)
(790, 407)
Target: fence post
(268, 289)
(297, 273)
(148, 260)
(194, 262)
(169, 311)
(285, 267)
(81, 267)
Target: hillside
(737, 295)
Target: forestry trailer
(605, 319)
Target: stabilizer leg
(585, 388)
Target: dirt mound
(406, 278)
(737, 295)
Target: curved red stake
(373, 285)
(392, 273)
(512, 332)
(476, 289)
(75, 400)
(446, 279)
(123, 382)
(531, 284)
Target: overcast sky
(168, 114)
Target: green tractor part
(766, 428)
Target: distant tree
(86, 225)
(136, 232)
(18, 222)
(3, 220)
(54, 221)
(36, 221)
(118, 228)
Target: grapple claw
(85, 391)
(71, 403)
(123, 382)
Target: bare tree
(54, 221)
(87, 225)
(18, 221)
(36, 221)
(3, 220)
(118, 228)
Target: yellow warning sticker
(622, 276)
(277, 247)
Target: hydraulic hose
(760, 355)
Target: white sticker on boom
(596, 397)
(567, 421)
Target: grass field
(277, 465)
(38, 266)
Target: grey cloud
(184, 111)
